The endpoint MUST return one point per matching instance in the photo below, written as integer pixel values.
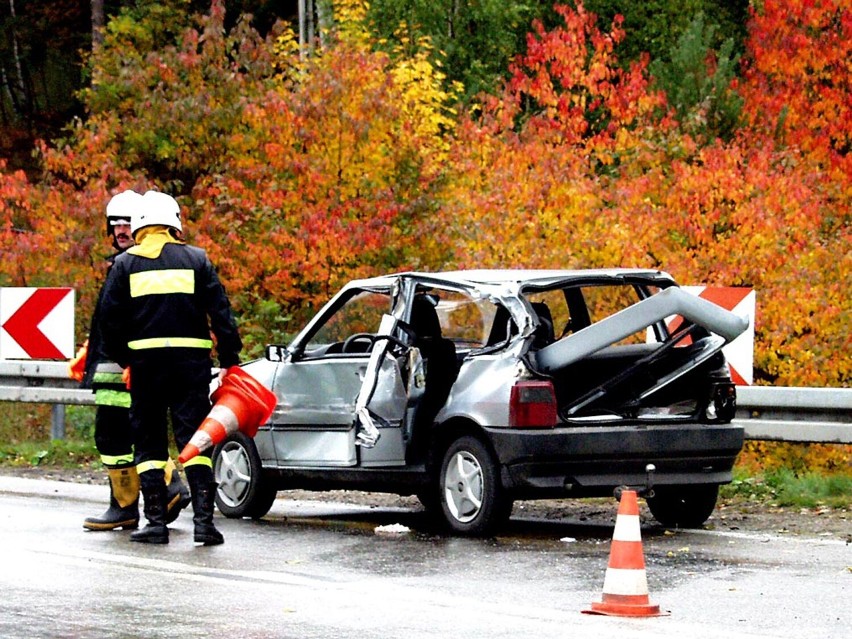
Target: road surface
(327, 570)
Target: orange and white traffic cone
(625, 589)
(241, 403)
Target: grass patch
(25, 437)
(56, 453)
(785, 488)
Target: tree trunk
(97, 23)
(18, 81)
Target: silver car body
(347, 415)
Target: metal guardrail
(772, 413)
(43, 382)
(40, 381)
(807, 415)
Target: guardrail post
(57, 422)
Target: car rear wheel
(238, 473)
(472, 500)
(683, 506)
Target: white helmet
(121, 207)
(157, 208)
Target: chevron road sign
(36, 323)
(740, 352)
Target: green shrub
(697, 83)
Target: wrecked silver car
(473, 389)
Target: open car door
(391, 389)
(349, 408)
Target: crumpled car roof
(516, 278)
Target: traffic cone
(625, 589)
(240, 403)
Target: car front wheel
(472, 500)
(238, 473)
(683, 506)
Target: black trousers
(164, 386)
(113, 435)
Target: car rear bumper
(592, 461)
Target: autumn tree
(298, 174)
(533, 161)
(770, 208)
(335, 173)
(797, 82)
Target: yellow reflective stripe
(170, 280)
(106, 397)
(116, 460)
(107, 378)
(144, 467)
(199, 460)
(170, 342)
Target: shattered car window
(361, 313)
(574, 308)
(465, 321)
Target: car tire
(683, 506)
(473, 501)
(239, 477)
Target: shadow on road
(357, 519)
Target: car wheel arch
(451, 430)
(499, 505)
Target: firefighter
(112, 420)
(161, 300)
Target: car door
(341, 381)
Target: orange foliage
(798, 85)
(334, 178)
(575, 180)
(761, 456)
(299, 175)
(533, 165)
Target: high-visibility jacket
(167, 304)
(95, 353)
(102, 375)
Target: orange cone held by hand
(241, 403)
(625, 590)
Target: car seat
(543, 334)
(439, 355)
(501, 328)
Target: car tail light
(532, 405)
(723, 403)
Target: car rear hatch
(598, 379)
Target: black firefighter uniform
(154, 318)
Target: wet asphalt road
(317, 569)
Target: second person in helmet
(161, 301)
(112, 420)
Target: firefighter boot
(154, 493)
(203, 496)
(177, 494)
(123, 511)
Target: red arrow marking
(22, 326)
(736, 377)
(725, 296)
